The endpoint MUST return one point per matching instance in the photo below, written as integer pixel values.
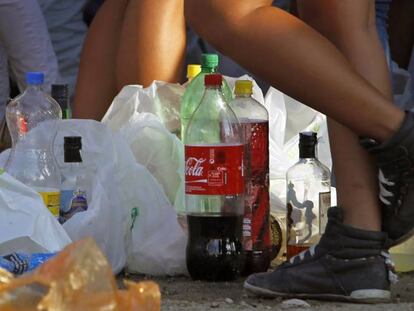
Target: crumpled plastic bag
(129, 214)
(155, 242)
(288, 118)
(107, 215)
(146, 118)
(128, 211)
(26, 225)
(79, 278)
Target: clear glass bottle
(31, 159)
(195, 90)
(254, 121)
(73, 197)
(308, 197)
(214, 187)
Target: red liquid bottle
(254, 120)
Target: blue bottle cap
(35, 78)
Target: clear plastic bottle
(254, 121)
(214, 188)
(31, 159)
(308, 197)
(195, 90)
(73, 197)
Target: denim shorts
(382, 8)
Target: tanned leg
(152, 42)
(130, 42)
(296, 59)
(350, 25)
(96, 86)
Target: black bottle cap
(72, 147)
(307, 144)
(74, 142)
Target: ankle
(363, 222)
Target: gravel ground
(181, 293)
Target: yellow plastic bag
(78, 278)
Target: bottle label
(214, 170)
(257, 215)
(52, 201)
(72, 202)
(324, 205)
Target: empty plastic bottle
(31, 159)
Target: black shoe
(348, 264)
(395, 160)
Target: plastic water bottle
(214, 187)
(195, 90)
(31, 159)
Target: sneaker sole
(402, 239)
(359, 296)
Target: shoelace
(301, 255)
(392, 276)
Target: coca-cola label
(214, 170)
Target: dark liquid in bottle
(214, 249)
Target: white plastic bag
(288, 118)
(156, 243)
(141, 117)
(26, 225)
(129, 213)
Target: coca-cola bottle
(214, 186)
(254, 121)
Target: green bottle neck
(208, 69)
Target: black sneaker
(395, 160)
(348, 264)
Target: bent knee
(340, 21)
(218, 20)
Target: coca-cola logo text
(193, 166)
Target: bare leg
(351, 26)
(130, 42)
(152, 42)
(290, 55)
(96, 86)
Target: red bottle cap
(213, 80)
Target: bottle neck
(34, 87)
(208, 69)
(62, 101)
(213, 88)
(243, 95)
(307, 152)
